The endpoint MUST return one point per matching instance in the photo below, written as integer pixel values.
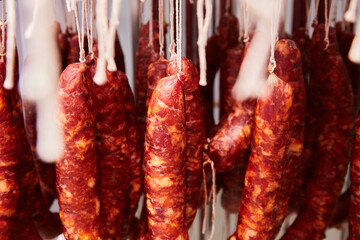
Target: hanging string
(178, 34)
(79, 31)
(315, 21)
(2, 47)
(172, 30)
(213, 194)
(350, 15)
(101, 26)
(327, 21)
(161, 27)
(274, 35)
(151, 22)
(354, 52)
(245, 12)
(142, 12)
(10, 45)
(87, 26)
(203, 28)
(91, 26)
(111, 35)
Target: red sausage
(165, 161)
(195, 133)
(76, 170)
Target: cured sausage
(341, 211)
(165, 161)
(354, 219)
(156, 72)
(233, 184)
(9, 163)
(335, 120)
(301, 37)
(273, 127)
(113, 154)
(233, 137)
(76, 170)
(195, 133)
(145, 55)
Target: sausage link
(233, 184)
(156, 72)
(165, 161)
(76, 170)
(113, 154)
(9, 163)
(273, 127)
(335, 121)
(354, 219)
(195, 133)
(341, 211)
(234, 136)
(145, 55)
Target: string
(91, 26)
(327, 22)
(203, 28)
(82, 50)
(245, 13)
(178, 34)
(87, 26)
(172, 30)
(350, 15)
(142, 12)
(111, 35)
(274, 33)
(315, 21)
(10, 45)
(2, 48)
(151, 22)
(78, 28)
(307, 6)
(161, 27)
(101, 26)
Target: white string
(315, 21)
(203, 28)
(327, 22)
(350, 15)
(151, 23)
(10, 45)
(91, 26)
(245, 13)
(179, 34)
(101, 26)
(274, 35)
(142, 12)
(172, 30)
(307, 5)
(2, 47)
(161, 27)
(82, 50)
(111, 35)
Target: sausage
(301, 37)
(156, 72)
(233, 137)
(207, 92)
(164, 161)
(76, 170)
(45, 171)
(24, 226)
(274, 114)
(9, 163)
(112, 149)
(119, 55)
(289, 59)
(195, 133)
(233, 184)
(145, 55)
(228, 32)
(354, 219)
(340, 213)
(335, 120)
(311, 116)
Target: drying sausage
(273, 127)
(9, 163)
(233, 137)
(335, 120)
(341, 211)
(354, 219)
(156, 72)
(165, 161)
(195, 133)
(113, 155)
(145, 55)
(76, 170)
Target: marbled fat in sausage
(76, 170)
(165, 161)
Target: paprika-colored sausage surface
(76, 170)
(165, 161)
(354, 216)
(156, 72)
(273, 127)
(195, 133)
(335, 121)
